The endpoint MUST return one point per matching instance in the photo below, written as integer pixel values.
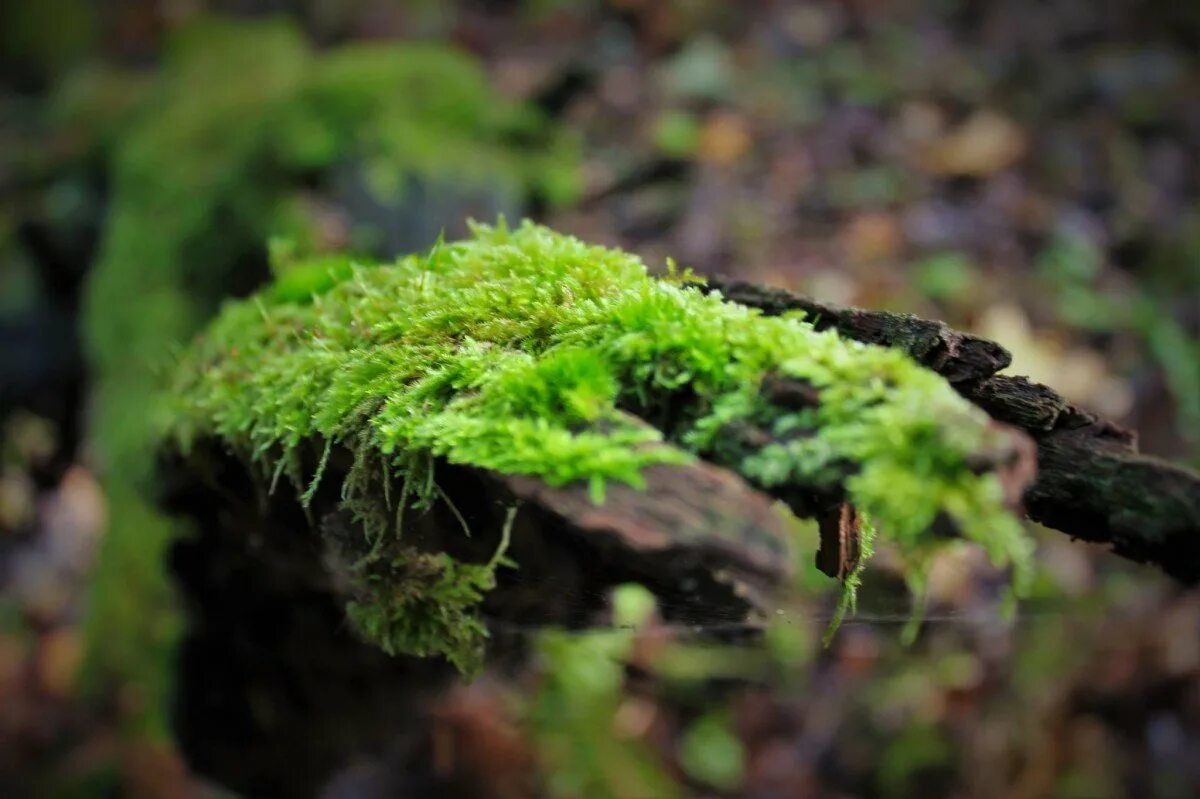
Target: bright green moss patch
(520, 351)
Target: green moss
(518, 351)
(207, 160)
(710, 752)
(423, 604)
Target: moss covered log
(1091, 481)
(529, 355)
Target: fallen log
(473, 454)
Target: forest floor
(1022, 170)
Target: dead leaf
(984, 144)
(872, 236)
(58, 660)
(724, 139)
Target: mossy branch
(1091, 481)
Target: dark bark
(958, 357)
(268, 657)
(1091, 482)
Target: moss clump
(216, 153)
(517, 351)
(423, 604)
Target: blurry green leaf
(1071, 266)
(573, 717)
(868, 187)
(632, 605)
(49, 34)
(711, 753)
(854, 77)
(917, 749)
(1069, 258)
(790, 641)
(958, 670)
(945, 276)
(702, 70)
(1082, 783)
(676, 133)
(1179, 356)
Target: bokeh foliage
(208, 159)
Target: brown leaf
(724, 139)
(984, 144)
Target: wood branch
(1091, 481)
(958, 357)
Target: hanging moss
(520, 351)
(209, 159)
(423, 604)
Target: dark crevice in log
(824, 500)
(841, 541)
(1091, 481)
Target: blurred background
(1024, 170)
